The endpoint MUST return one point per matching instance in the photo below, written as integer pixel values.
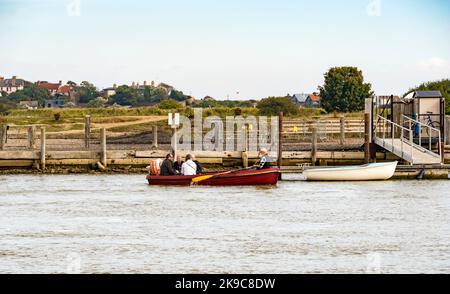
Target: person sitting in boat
(265, 161)
(167, 166)
(199, 166)
(189, 168)
(178, 164)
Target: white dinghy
(369, 172)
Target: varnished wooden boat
(265, 177)
(369, 172)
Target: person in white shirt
(189, 168)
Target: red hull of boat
(264, 177)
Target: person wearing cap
(264, 162)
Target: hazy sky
(255, 47)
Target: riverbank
(135, 162)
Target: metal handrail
(392, 129)
(421, 123)
(394, 126)
(438, 131)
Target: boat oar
(207, 177)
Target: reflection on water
(118, 224)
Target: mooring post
(245, 152)
(342, 137)
(280, 139)
(87, 131)
(2, 136)
(367, 137)
(103, 146)
(314, 145)
(155, 137)
(43, 144)
(31, 137)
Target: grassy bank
(133, 120)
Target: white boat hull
(370, 172)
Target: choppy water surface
(118, 224)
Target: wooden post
(3, 134)
(43, 143)
(103, 146)
(367, 139)
(155, 137)
(31, 137)
(87, 131)
(280, 139)
(245, 152)
(342, 138)
(314, 146)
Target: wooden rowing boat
(263, 177)
(369, 172)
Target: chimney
(114, 86)
(153, 84)
(145, 83)
(133, 84)
(13, 81)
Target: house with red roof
(313, 100)
(59, 91)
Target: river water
(118, 224)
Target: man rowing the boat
(265, 161)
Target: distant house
(313, 100)
(55, 103)
(108, 92)
(29, 104)
(168, 88)
(299, 99)
(56, 89)
(11, 85)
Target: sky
(236, 49)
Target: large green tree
(125, 95)
(86, 92)
(344, 90)
(442, 85)
(275, 105)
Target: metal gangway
(406, 140)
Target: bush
(169, 104)
(274, 105)
(57, 116)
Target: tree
(30, 92)
(344, 90)
(86, 92)
(125, 95)
(177, 95)
(442, 85)
(275, 105)
(169, 104)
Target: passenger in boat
(199, 166)
(265, 161)
(189, 168)
(167, 166)
(178, 164)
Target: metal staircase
(406, 140)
